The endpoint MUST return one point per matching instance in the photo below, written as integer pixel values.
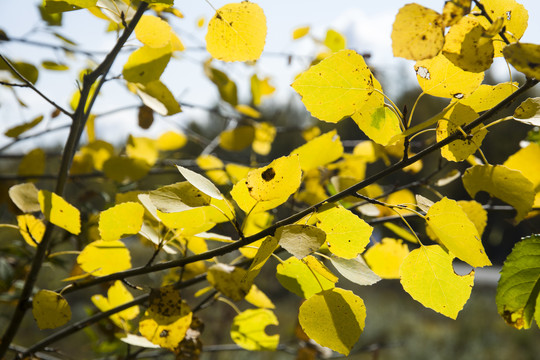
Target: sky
(366, 24)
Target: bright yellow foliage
(146, 64)
(454, 10)
(59, 212)
(101, 258)
(142, 148)
(33, 163)
(50, 309)
(334, 318)
(300, 32)
(476, 213)
(305, 277)
(120, 220)
(248, 330)
(171, 140)
(439, 77)
(319, 151)
(385, 257)
(260, 88)
(300, 240)
(31, 229)
(238, 138)
(117, 295)
(247, 203)
(214, 168)
(277, 180)
(264, 137)
(417, 33)
(258, 298)
(428, 276)
(158, 97)
(153, 31)
(335, 41)
(456, 232)
(336, 87)
(527, 161)
(228, 280)
(524, 57)
(487, 96)
(237, 32)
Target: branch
(31, 86)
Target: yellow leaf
(102, 258)
(258, 298)
(313, 191)
(50, 309)
(417, 33)
(305, 277)
(171, 140)
(503, 183)
(254, 223)
(248, 330)
(193, 220)
(355, 270)
(226, 87)
(158, 97)
(335, 41)
(300, 240)
(264, 136)
(459, 150)
(238, 138)
(300, 32)
(120, 220)
(476, 213)
(117, 295)
(385, 257)
(100, 151)
(336, 87)
(528, 112)
(403, 233)
(468, 47)
(454, 10)
(227, 279)
(346, 234)
(457, 232)
(153, 31)
(515, 20)
(16, 131)
(267, 247)
(524, 57)
(428, 276)
(176, 43)
(248, 111)
(146, 64)
(237, 32)
(200, 182)
(142, 148)
(178, 197)
(439, 77)
(60, 212)
(25, 196)
(526, 161)
(334, 318)
(248, 204)
(31, 229)
(214, 169)
(319, 151)
(33, 163)
(260, 88)
(403, 197)
(487, 96)
(311, 133)
(124, 169)
(200, 22)
(277, 180)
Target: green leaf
(334, 318)
(518, 289)
(248, 330)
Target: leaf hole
(268, 174)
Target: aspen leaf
(300, 32)
(102, 258)
(178, 197)
(476, 213)
(258, 298)
(171, 140)
(334, 41)
(334, 318)
(120, 220)
(16, 131)
(452, 121)
(264, 136)
(515, 20)
(146, 64)
(305, 277)
(140, 341)
(401, 232)
(117, 295)
(428, 276)
(25, 196)
(123, 169)
(403, 197)
(158, 97)
(468, 46)
(355, 270)
(526, 161)
(237, 139)
(31, 229)
(226, 87)
(336, 87)
(237, 32)
(59, 212)
(268, 246)
(153, 31)
(417, 33)
(300, 240)
(214, 168)
(50, 309)
(33, 163)
(142, 148)
(487, 96)
(54, 66)
(524, 57)
(528, 112)
(248, 111)
(456, 232)
(248, 330)
(503, 183)
(57, 6)
(454, 10)
(346, 234)
(200, 182)
(227, 280)
(517, 290)
(319, 151)
(167, 320)
(280, 178)
(385, 257)
(193, 220)
(260, 88)
(100, 151)
(439, 77)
